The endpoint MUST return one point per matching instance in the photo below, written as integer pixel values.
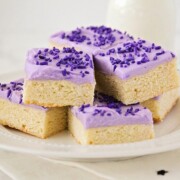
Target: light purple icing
(90, 39)
(131, 58)
(13, 92)
(107, 111)
(53, 64)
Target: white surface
(27, 167)
(28, 24)
(62, 145)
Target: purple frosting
(107, 111)
(54, 64)
(90, 39)
(131, 58)
(13, 92)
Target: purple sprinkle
(63, 35)
(102, 113)
(41, 57)
(9, 93)
(56, 57)
(43, 63)
(155, 58)
(173, 55)
(88, 43)
(157, 47)
(160, 53)
(46, 50)
(86, 72)
(64, 72)
(39, 52)
(101, 54)
(136, 110)
(114, 67)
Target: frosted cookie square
(135, 71)
(35, 120)
(89, 39)
(56, 78)
(109, 121)
(161, 105)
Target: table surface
(20, 166)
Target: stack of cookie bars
(102, 84)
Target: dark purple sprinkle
(108, 114)
(114, 67)
(63, 35)
(56, 57)
(86, 72)
(9, 93)
(41, 57)
(118, 111)
(155, 58)
(160, 53)
(43, 63)
(136, 110)
(82, 75)
(20, 101)
(101, 54)
(3, 85)
(102, 113)
(157, 47)
(21, 84)
(96, 112)
(88, 43)
(39, 52)
(64, 72)
(173, 55)
(56, 50)
(46, 50)
(127, 112)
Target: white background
(27, 24)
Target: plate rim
(153, 144)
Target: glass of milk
(153, 20)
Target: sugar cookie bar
(35, 120)
(90, 39)
(136, 71)
(109, 121)
(56, 78)
(161, 105)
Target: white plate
(63, 146)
